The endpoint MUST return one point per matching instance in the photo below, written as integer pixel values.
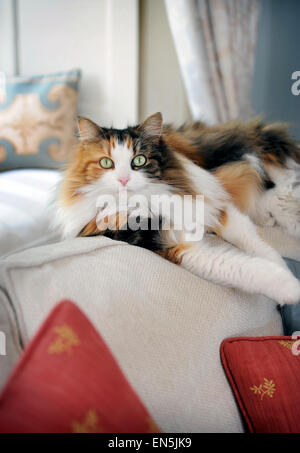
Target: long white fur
(251, 265)
(229, 266)
(207, 184)
(281, 205)
(241, 232)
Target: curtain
(215, 42)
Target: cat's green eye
(106, 163)
(139, 161)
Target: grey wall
(278, 56)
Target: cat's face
(118, 160)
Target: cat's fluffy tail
(276, 144)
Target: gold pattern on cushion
(26, 123)
(2, 153)
(89, 425)
(66, 339)
(287, 344)
(268, 388)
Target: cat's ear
(87, 129)
(152, 126)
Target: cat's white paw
(286, 290)
(274, 257)
(292, 293)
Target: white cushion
(24, 214)
(163, 324)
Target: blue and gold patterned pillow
(37, 119)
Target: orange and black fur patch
(232, 141)
(241, 181)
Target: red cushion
(264, 373)
(68, 381)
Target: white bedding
(24, 208)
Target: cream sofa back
(163, 324)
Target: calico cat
(248, 173)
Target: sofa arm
(163, 324)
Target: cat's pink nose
(124, 181)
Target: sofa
(163, 324)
